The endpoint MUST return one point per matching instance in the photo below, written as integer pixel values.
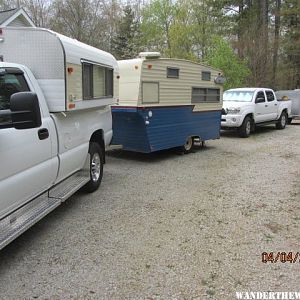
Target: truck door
(27, 164)
(272, 106)
(260, 107)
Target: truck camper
(166, 103)
(55, 122)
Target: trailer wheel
(290, 121)
(245, 129)
(188, 146)
(282, 121)
(96, 168)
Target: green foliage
(126, 43)
(222, 56)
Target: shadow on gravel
(155, 156)
(259, 131)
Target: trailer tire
(96, 168)
(282, 121)
(188, 146)
(246, 128)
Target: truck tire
(245, 129)
(96, 168)
(282, 121)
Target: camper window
(97, 81)
(150, 92)
(205, 95)
(172, 72)
(206, 76)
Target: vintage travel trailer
(166, 103)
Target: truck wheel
(245, 129)
(188, 146)
(96, 168)
(282, 121)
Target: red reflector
(149, 67)
(70, 70)
(71, 105)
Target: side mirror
(259, 100)
(25, 110)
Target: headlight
(233, 110)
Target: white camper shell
(72, 75)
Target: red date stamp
(282, 257)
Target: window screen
(150, 92)
(206, 76)
(200, 95)
(97, 81)
(172, 72)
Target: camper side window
(206, 76)
(97, 81)
(172, 72)
(200, 95)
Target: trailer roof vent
(149, 55)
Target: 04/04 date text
(282, 257)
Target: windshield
(238, 96)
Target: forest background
(254, 42)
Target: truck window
(97, 81)
(270, 96)
(260, 94)
(11, 84)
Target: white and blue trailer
(166, 103)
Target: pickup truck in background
(55, 122)
(245, 108)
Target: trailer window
(200, 95)
(97, 81)
(150, 92)
(206, 76)
(172, 72)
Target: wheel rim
(283, 120)
(188, 144)
(248, 127)
(95, 167)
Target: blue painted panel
(168, 127)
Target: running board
(69, 186)
(20, 220)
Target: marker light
(70, 70)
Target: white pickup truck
(245, 108)
(55, 121)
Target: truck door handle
(275, 104)
(43, 133)
(266, 105)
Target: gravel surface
(170, 226)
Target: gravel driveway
(170, 226)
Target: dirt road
(169, 226)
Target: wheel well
(285, 110)
(250, 115)
(98, 137)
